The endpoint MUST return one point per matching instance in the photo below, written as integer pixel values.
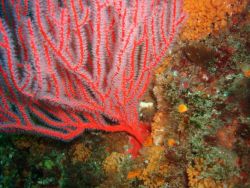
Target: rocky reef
(198, 105)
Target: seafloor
(199, 108)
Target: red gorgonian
(71, 65)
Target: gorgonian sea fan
(72, 65)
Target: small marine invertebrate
(159, 128)
(80, 153)
(112, 164)
(152, 175)
(195, 179)
(171, 142)
(245, 69)
(208, 16)
(134, 174)
(182, 108)
(247, 73)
